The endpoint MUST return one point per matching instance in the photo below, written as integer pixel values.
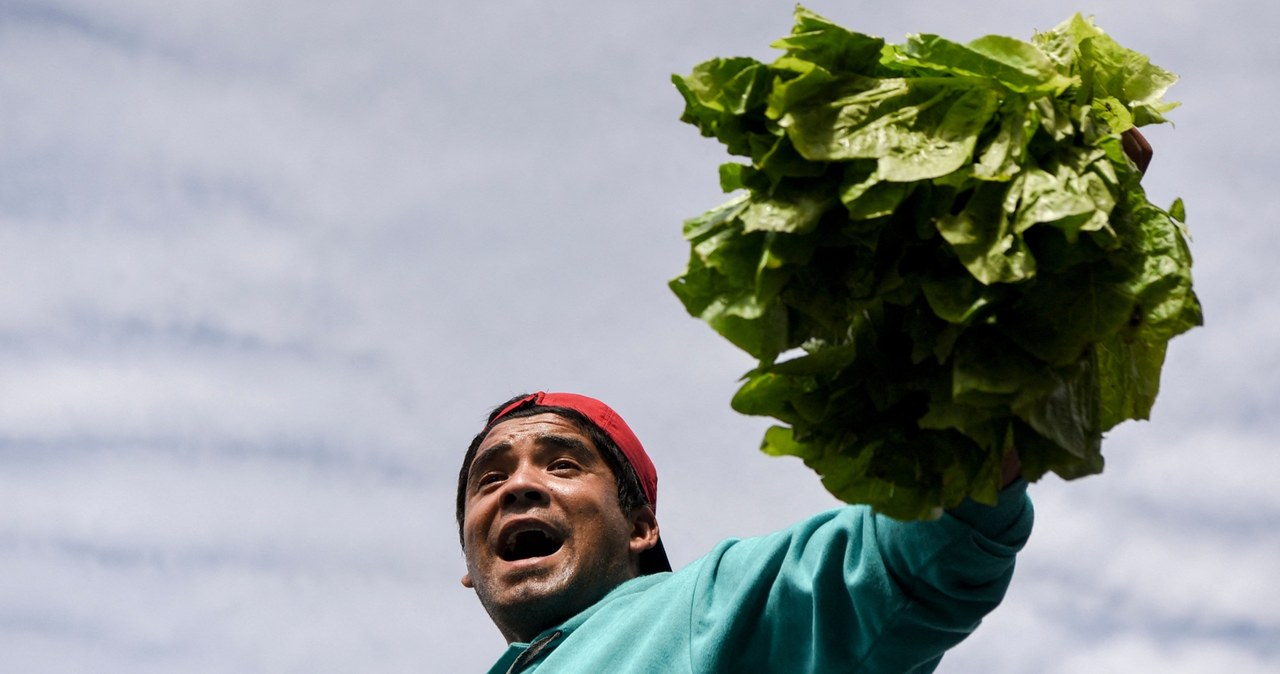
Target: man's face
(543, 534)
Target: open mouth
(529, 544)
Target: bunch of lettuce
(938, 252)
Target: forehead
(535, 427)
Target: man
(556, 512)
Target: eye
(563, 464)
(489, 478)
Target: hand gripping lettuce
(937, 252)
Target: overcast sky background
(265, 266)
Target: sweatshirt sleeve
(849, 590)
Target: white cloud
(265, 265)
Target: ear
(466, 581)
(644, 529)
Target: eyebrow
(542, 441)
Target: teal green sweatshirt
(845, 591)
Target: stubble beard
(525, 604)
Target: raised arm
(852, 591)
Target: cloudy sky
(265, 265)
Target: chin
(524, 611)
(551, 584)
(526, 601)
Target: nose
(522, 489)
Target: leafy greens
(954, 239)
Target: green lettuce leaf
(916, 129)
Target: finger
(1136, 146)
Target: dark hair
(630, 494)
